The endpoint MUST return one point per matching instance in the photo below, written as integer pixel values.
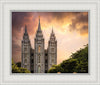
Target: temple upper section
(39, 31)
(26, 36)
(52, 36)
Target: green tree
(69, 66)
(55, 69)
(16, 69)
(77, 63)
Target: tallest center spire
(39, 26)
(39, 31)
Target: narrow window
(32, 61)
(32, 54)
(39, 69)
(39, 49)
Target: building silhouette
(39, 59)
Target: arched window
(39, 49)
(39, 69)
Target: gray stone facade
(39, 59)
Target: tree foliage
(16, 69)
(55, 69)
(78, 62)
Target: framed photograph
(50, 42)
(39, 47)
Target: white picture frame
(92, 6)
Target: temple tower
(25, 61)
(52, 50)
(39, 57)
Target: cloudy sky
(70, 28)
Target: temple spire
(52, 29)
(25, 29)
(39, 31)
(39, 26)
(25, 35)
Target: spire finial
(39, 27)
(25, 29)
(39, 19)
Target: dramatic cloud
(80, 23)
(71, 30)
